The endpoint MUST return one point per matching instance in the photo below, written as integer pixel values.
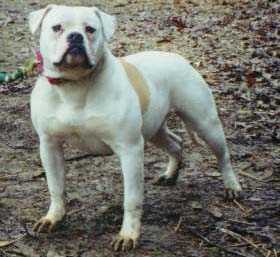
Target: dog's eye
(90, 29)
(57, 28)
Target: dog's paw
(232, 188)
(124, 243)
(45, 225)
(233, 191)
(231, 194)
(163, 180)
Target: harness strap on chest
(139, 84)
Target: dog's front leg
(131, 157)
(53, 162)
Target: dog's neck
(74, 92)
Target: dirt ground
(235, 45)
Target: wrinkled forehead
(72, 16)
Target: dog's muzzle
(76, 55)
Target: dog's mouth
(74, 57)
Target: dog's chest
(65, 121)
(78, 127)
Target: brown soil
(235, 45)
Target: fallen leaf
(267, 174)
(38, 174)
(215, 211)
(6, 243)
(196, 205)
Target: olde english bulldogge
(106, 104)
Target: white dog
(105, 104)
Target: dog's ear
(108, 23)
(35, 18)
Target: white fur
(101, 113)
(108, 23)
(35, 18)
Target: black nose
(75, 38)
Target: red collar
(40, 69)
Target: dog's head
(72, 38)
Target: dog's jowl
(114, 105)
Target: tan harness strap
(139, 84)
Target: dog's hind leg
(195, 105)
(212, 133)
(171, 144)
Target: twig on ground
(206, 240)
(75, 211)
(6, 178)
(80, 157)
(274, 209)
(18, 147)
(242, 238)
(9, 242)
(267, 208)
(268, 253)
(179, 224)
(240, 206)
(243, 173)
(241, 244)
(241, 222)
